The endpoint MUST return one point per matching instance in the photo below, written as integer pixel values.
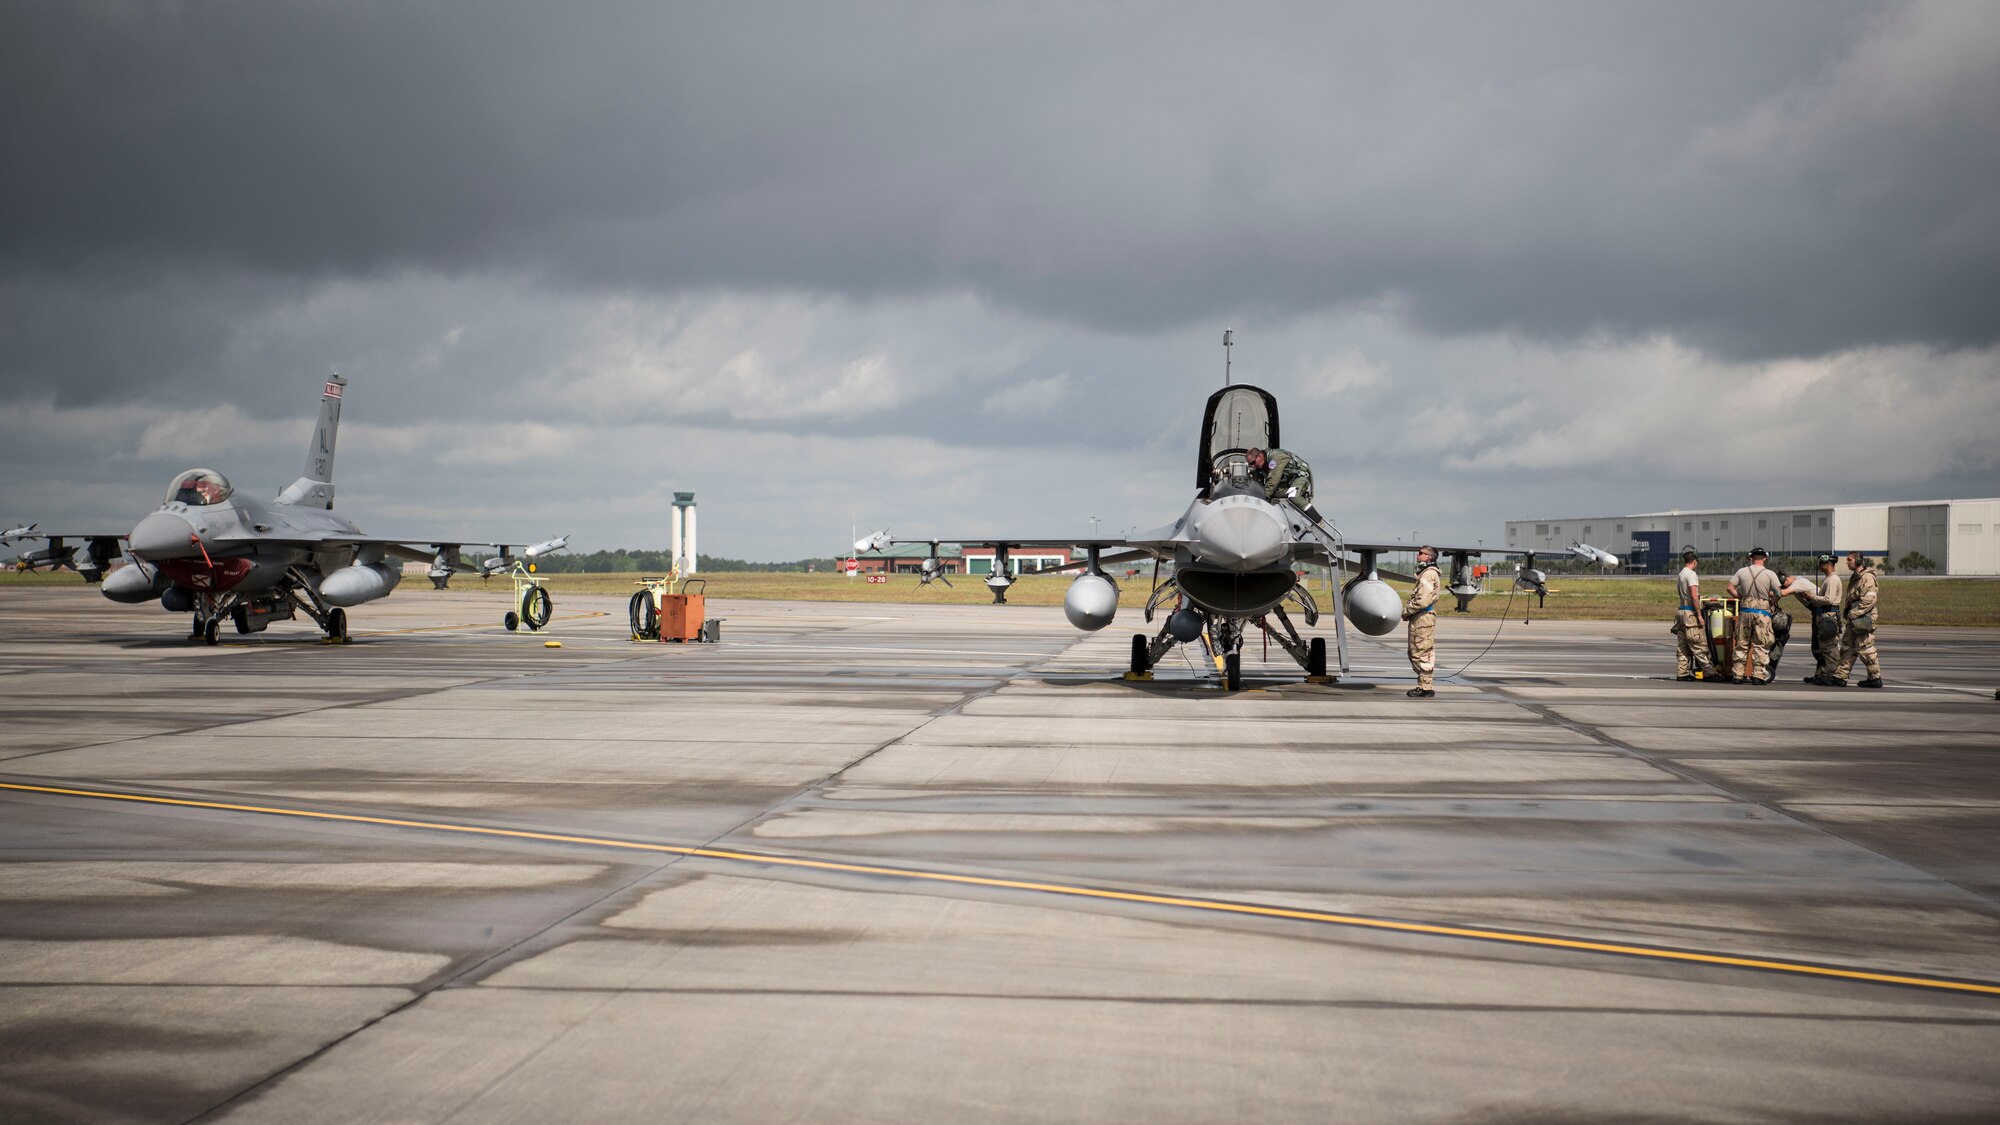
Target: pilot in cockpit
(199, 488)
(1285, 476)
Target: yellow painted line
(1220, 906)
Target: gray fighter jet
(1234, 554)
(221, 556)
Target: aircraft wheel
(1316, 657)
(209, 631)
(336, 625)
(1232, 671)
(1140, 663)
(240, 617)
(195, 634)
(512, 621)
(536, 607)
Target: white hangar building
(1960, 536)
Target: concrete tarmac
(895, 863)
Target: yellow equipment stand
(532, 605)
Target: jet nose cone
(163, 535)
(1241, 537)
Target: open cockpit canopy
(199, 487)
(1239, 418)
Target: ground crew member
(1420, 612)
(1824, 602)
(1285, 475)
(1691, 650)
(1781, 622)
(1755, 589)
(1857, 625)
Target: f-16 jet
(1234, 552)
(220, 555)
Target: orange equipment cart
(682, 614)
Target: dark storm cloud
(1760, 180)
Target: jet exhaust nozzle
(1373, 607)
(1091, 602)
(362, 582)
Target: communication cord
(1504, 612)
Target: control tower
(681, 526)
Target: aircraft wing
(1129, 549)
(1442, 548)
(424, 546)
(99, 541)
(1011, 542)
(423, 549)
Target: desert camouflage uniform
(1421, 612)
(1756, 597)
(1284, 471)
(1826, 651)
(1691, 650)
(1861, 597)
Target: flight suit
(1284, 471)
(1421, 612)
(1691, 646)
(1756, 596)
(1861, 598)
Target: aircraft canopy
(199, 487)
(1239, 417)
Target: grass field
(1905, 601)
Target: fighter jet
(218, 555)
(1233, 553)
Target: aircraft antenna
(1228, 341)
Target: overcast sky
(966, 268)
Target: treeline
(658, 562)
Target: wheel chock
(551, 644)
(1138, 675)
(1322, 679)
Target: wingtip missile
(547, 547)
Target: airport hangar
(1962, 537)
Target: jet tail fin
(315, 488)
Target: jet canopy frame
(199, 488)
(1238, 418)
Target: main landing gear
(1222, 640)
